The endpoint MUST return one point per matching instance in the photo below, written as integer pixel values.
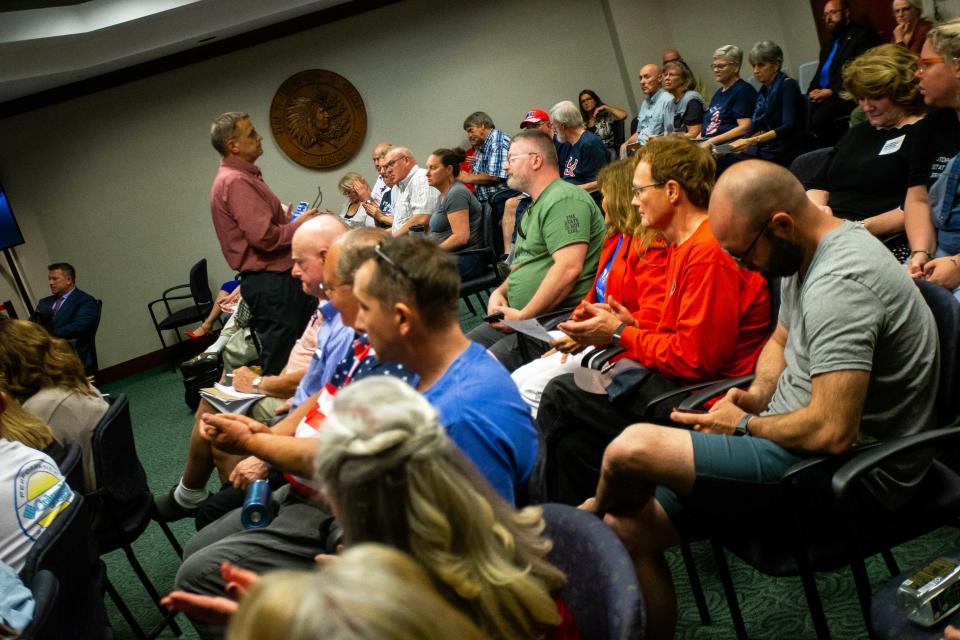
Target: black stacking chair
(826, 518)
(126, 503)
(490, 278)
(602, 590)
(45, 587)
(68, 551)
(199, 294)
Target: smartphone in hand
(696, 411)
(494, 317)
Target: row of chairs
(64, 566)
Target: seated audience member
(940, 86)
(413, 200)
(631, 271)
(714, 320)
(846, 41)
(458, 221)
(32, 493)
(227, 296)
(555, 258)
(912, 28)
(376, 201)
(779, 117)
(671, 55)
(69, 313)
(874, 168)
(480, 407)
(853, 360)
(598, 118)
(944, 268)
(371, 592)
(444, 512)
(731, 109)
(307, 371)
(353, 187)
(653, 109)
(687, 113)
(46, 377)
(488, 174)
(580, 153)
(514, 207)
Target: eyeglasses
(903, 10)
(638, 191)
(512, 159)
(378, 251)
(927, 62)
(827, 14)
(719, 66)
(389, 165)
(741, 259)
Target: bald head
(320, 232)
(649, 78)
(311, 242)
(397, 164)
(754, 190)
(380, 150)
(672, 55)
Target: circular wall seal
(318, 119)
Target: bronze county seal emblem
(318, 119)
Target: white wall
(118, 182)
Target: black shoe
(200, 364)
(167, 509)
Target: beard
(785, 260)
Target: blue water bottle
(256, 512)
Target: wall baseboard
(176, 353)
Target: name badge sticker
(892, 146)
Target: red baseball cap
(535, 116)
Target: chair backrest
(618, 136)
(71, 468)
(68, 550)
(805, 74)
(118, 468)
(602, 590)
(199, 286)
(489, 226)
(946, 313)
(807, 165)
(44, 588)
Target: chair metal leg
(731, 595)
(694, 577)
(466, 300)
(172, 538)
(148, 585)
(814, 604)
(124, 610)
(892, 565)
(864, 591)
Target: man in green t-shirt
(558, 245)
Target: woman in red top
(630, 271)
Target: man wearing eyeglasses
(555, 258)
(846, 40)
(255, 233)
(854, 359)
(412, 198)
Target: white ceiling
(46, 48)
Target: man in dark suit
(69, 313)
(847, 41)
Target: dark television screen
(10, 235)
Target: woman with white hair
(912, 28)
(392, 476)
(731, 109)
(779, 116)
(580, 153)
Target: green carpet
(772, 608)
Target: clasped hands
(942, 271)
(230, 432)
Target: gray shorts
(736, 478)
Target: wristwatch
(742, 429)
(256, 384)
(618, 333)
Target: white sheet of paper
(230, 391)
(531, 327)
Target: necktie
(56, 305)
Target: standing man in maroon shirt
(255, 234)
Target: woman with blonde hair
(16, 425)
(351, 185)
(46, 377)
(391, 475)
(630, 271)
(876, 171)
(371, 592)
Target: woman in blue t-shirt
(731, 109)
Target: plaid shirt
(489, 160)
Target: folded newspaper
(227, 400)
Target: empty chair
(199, 293)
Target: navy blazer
(75, 320)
